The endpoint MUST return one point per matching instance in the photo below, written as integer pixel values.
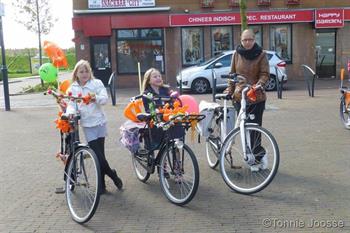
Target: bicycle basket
(152, 137)
(130, 135)
(203, 125)
(176, 131)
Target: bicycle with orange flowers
(176, 163)
(82, 170)
(344, 102)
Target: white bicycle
(249, 154)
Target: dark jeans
(255, 138)
(98, 146)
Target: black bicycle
(176, 163)
(82, 170)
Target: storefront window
(192, 45)
(281, 42)
(258, 34)
(221, 38)
(127, 33)
(144, 46)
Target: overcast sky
(17, 36)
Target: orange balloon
(64, 86)
(56, 54)
(132, 109)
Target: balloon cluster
(48, 72)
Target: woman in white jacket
(93, 119)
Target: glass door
(325, 53)
(101, 58)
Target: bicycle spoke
(240, 175)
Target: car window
(278, 56)
(210, 60)
(225, 61)
(269, 56)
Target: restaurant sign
(98, 4)
(329, 18)
(235, 18)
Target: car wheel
(200, 86)
(272, 83)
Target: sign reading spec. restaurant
(329, 18)
(93, 4)
(235, 18)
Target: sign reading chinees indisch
(235, 18)
(96, 4)
(329, 18)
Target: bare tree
(35, 15)
(243, 13)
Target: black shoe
(60, 190)
(117, 181)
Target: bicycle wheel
(139, 164)
(83, 184)
(213, 143)
(238, 173)
(178, 174)
(344, 113)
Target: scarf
(249, 54)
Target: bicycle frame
(152, 161)
(241, 123)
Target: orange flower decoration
(62, 125)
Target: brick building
(114, 35)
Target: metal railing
(309, 76)
(112, 88)
(279, 82)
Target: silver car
(199, 79)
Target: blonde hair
(147, 78)
(81, 63)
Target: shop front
(124, 40)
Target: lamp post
(3, 66)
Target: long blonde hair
(81, 63)
(147, 78)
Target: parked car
(198, 78)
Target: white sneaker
(348, 123)
(255, 168)
(262, 165)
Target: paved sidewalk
(309, 194)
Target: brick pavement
(312, 182)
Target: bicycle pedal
(142, 152)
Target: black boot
(117, 181)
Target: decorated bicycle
(156, 141)
(82, 170)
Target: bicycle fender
(250, 123)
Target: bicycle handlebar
(86, 99)
(173, 95)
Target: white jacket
(92, 113)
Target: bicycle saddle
(144, 116)
(223, 96)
